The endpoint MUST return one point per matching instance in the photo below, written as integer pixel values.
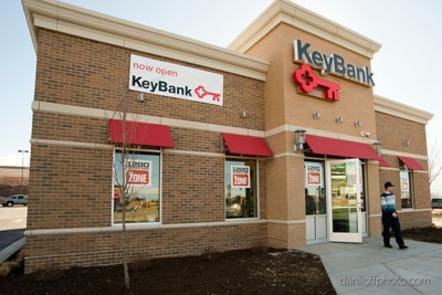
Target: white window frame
(258, 211)
(139, 224)
(411, 186)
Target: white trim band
(55, 108)
(131, 227)
(318, 132)
(403, 154)
(75, 144)
(288, 222)
(288, 155)
(194, 153)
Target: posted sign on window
(139, 172)
(313, 173)
(167, 79)
(240, 176)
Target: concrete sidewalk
(369, 268)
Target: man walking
(390, 217)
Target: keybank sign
(333, 63)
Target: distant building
(11, 179)
(11, 175)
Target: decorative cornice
(284, 11)
(77, 21)
(397, 109)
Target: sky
(407, 67)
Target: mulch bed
(256, 271)
(426, 234)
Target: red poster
(314, 178)
(240, 176)
(137, 177)
(138, 172)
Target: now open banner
(168, 79)
(138, 173)
(240, 176)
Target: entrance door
(315, 202)
(344, 201)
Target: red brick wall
(392, 131)
(71, 187)
(92, 249)
(76, 71)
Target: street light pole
(23, 152)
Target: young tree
(120, 168)
(121, 113)
(128, 191)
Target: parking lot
(13, 218)
(437, 217)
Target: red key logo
(308, 81)
(201, 92)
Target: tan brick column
(285, 202)
(374, 201)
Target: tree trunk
(124, 195)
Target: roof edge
(401, 110)
(70, 19)
(285, 11)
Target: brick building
(277, 140)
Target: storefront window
(142, 173)
(315, 201)
(241, 195)
(405, 182)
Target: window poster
(240, 176)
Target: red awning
(246, 145)
(140, 134)
(412, 164)
(343, 148)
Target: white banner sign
(167, 79)
(240, 176)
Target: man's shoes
(403, 247)
(388, 246)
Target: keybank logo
(333, 63)
(160, 86)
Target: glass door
(344, 206)
(315, 202)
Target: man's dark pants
(388, 221)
